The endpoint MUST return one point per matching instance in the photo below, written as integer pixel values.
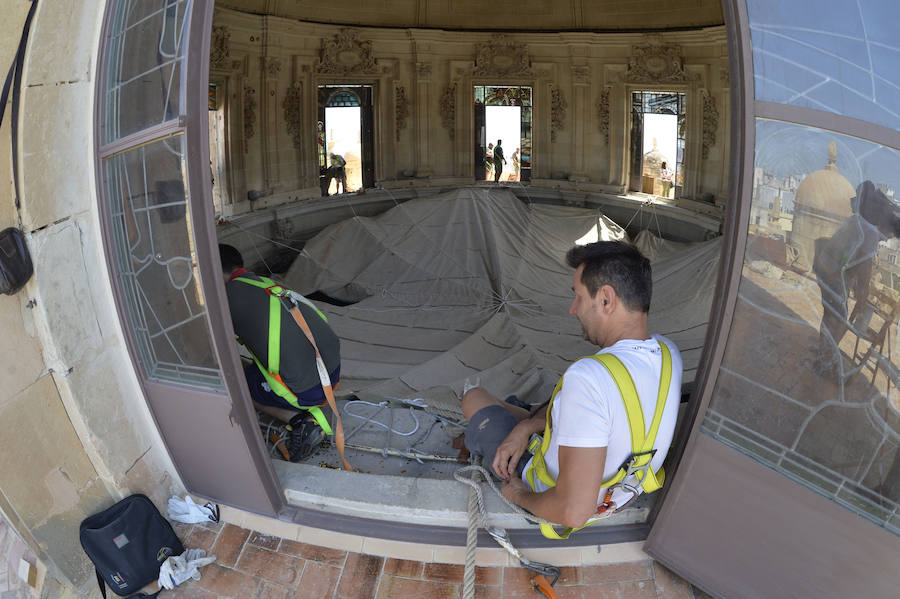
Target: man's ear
(606, 298)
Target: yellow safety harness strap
(638, 463)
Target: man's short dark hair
(231, 258)
(617, 264)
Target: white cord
(381, 405)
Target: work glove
(178, 568)
(185, 510)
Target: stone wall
(271, 68)
(75, 430)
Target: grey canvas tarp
(473, 283)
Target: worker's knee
(475, 399)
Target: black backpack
(128, 543)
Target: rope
(468, 590)
(458, 475)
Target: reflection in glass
(809, 382)
(143, 79)
(155, 259)
(842, 60)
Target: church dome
(822, 203)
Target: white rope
(458, 475)
(468, 590)
(381, 405)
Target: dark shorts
(486, 431)
(311, 397)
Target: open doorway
(657, 142)
(502, 114)
(345, 138)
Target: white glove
(185, 510)
(178, 568)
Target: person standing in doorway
(667, 177)
(499, 160)
(489, 162)
(517, 167)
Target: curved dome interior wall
(532, 15)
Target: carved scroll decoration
(424, 70)
(271, 66)
(219, 50)
(655, 63)
(558, 107)
(710, 123)
(293, 110)
(249, 113)
(345, 53)
(603, 114)
(502, 57)
(401, 108)
(448, 109)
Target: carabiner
(545, 570)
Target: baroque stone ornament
(710, 123)
(581, 73)
(558, 107)
(603, 113)
(345, 53)
(219, 51)
(293, 109)
(652, 63)
(501, 57)
(448, 109)
(272, 66)
(401, 108)
(424, 70)
(249, 112)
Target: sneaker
(305, 436)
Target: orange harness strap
(329, 393)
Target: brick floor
(252, 565)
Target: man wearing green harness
(284, 380)
(612, 415)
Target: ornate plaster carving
(502, 57)
(423, 69)
(654, 62)
(581, 73)
(448, 109)
(710, 123)
(603, 113)
(293, 111)
(272, 66)
(401, 107)
(558, 106)
(345, 53)
(724, 77)
(219, 50)
(249, 112)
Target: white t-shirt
(588, 411)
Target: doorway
(503, 114)
(657, 142)
(345, 138)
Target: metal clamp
(502, 537)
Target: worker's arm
(516, 442)
(574, 498)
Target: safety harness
(635, 471)
(277, 293)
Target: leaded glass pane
(156, 262)
(143, 78)
(809, 381)
(841, 56)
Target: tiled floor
(252, 565)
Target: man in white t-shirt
(589, 426)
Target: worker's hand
(509, 452)
(513, 489)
